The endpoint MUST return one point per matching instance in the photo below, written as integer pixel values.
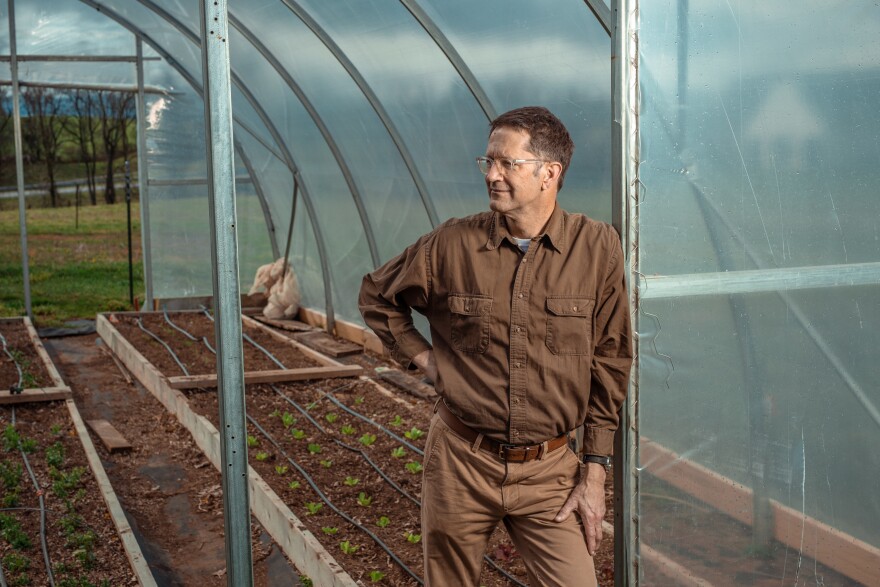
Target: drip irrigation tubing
(43, 545)
(392, 483)
(14, 362)
(387, 479)
(204, 339)
(330, 504)
(162, 342)
(347, 446)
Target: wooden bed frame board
(831, 547)
(129, 541)
(291, 535)
(59, 389)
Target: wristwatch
(602, 460)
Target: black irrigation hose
(387, 479)
(175, 326)
(366, 457)
(14, 362)
(330, 504)
(162, 342)
(346, 446)
(33, 477)
(187, 334)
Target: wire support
(43, 544)
(333, 507)
(164, 344)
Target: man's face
(516, 193)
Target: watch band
(605, 461)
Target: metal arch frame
(322, 128)
(125, 23)
(602, 13)
(276, 253)
(279, 140)
(373, 100)
(470, 80)
(19, 158)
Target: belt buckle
(502, 448)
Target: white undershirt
(523, 243)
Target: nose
(494, 173)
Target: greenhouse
(731, 144)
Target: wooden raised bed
(46, 384)
(58, 430)
(279, 495)
(292, 536)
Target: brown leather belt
(512, 453)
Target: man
(531, 338)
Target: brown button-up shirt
(528, 345)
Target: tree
(42, 130)
(83, 126)
(116, 110)
(5, 123)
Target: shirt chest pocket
(569, 325)
(469, 315)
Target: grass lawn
(75, 271)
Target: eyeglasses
(504, 164)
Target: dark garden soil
(303, 434)
(82, 544)
(719, 549)
(18, 342)
(171, 494)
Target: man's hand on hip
(425, 361)
(588, 500)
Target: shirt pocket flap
(470, 305)
(565, 306)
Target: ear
(551, 174)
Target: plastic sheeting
(758, 153)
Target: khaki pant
(467, 491)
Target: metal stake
(227, 295)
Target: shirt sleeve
(390, 293)
(612, 357)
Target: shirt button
(518, 329)
(575, 309)
(520, 296)
(516, 400)
(524, 260)
(516, 432)
(516, 365)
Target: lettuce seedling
(367, 439)
(313, 507)
(298, 434)
(281, 469)
(331, 417)
(398, 452)
(348, 430)
(383, 522)
(376, 576)
(329, 530)
(314, 448)
(364, 500)
(413, 538)
(414, 467)
(351, 481)
(414, 433)
(348, 548)
(397, 421)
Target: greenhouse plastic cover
(758, 256)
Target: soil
(18, 344)
(81, 539)
(171, 494)
(309, 404)
(719, 549)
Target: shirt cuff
(598, 441)
(408, 346)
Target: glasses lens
(484, 164)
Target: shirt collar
(554, 233)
